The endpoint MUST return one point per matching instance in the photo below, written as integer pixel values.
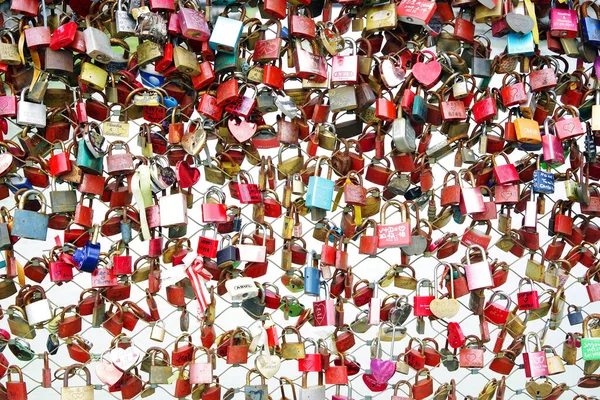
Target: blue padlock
(225, 61)
(320, 190)
(226, 34)
(575, 317)
(30, 224)
(88, 256)
(543, 181)
(312, 277)
(530, 147)
(520, 44)
(590, 27)
(17, 182)
(150, 78)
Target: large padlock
(590, 344)
(535, 361)
(30, 224)
(320, 190)
(394, 235)
(422, 302)
(479, 275)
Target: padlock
(30, 224)
(589, 342)
(37, 311)
(87, 258)
(497, 313)
(478, 274)
(394, 235)
(16, 389)
(535, 361)
(575, 315)
(421, 302)
(472, 357)
(527, 300)
(320, 190)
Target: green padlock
(86, 160)
(294, 307)
(590, 346)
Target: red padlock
(345, 340)
(182, 353)
(528, 299)
(484, 108)
(495, 312)
(415, 356)
(421, 303)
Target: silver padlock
(287, 105)
(31, 114)
(459, 88)
(528, 108)
(265, 100)
(124, 22)
(403, 134)
(97, 43)
(158, 331)
(468, 155)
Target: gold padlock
(514, 324)
(292, 350)
(185, 61)
(381, 18)
(93, 76)
(555, 363)
(484, 14)
(148, 52)
(569, 46)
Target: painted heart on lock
(267, 366)
(241, 129)
(569, 127)
(125, 359)
(319, 313)
(470, 357)
(382, 370)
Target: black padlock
(227, 256)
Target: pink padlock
(193, 24)
(535, 362)
(471, 198)
(563, 23)
(479, 275)
(201, 372)
(551, 144)
(324, 310)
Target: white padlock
(241, 288)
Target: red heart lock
(427, 73)
(187, 176)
